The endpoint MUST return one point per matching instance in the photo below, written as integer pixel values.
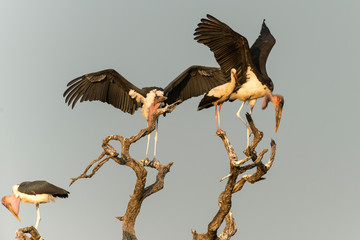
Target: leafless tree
(141, 191)
(237, 167)
(234, 182)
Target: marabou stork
(217, 96)
(111, 87)
(231, 50)
(35, 192)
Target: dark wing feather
(193, 82)
(106, 86)
(42, 187)
(231, 49)
(261, 48)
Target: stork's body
(231, 50)
(110, 87)
(35, 192)
(217, 96)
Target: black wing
(106, 86)
(261, 48)
(193, 82)
(42, 187)
(231, 49)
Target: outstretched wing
(42, 187)
(106, 86)
(231, 49)
(261, 48)
(193, 82)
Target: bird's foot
(145, 161)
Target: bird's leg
(216, 119)
(156, 137)
(238, 115)
(147, 147)
(219, 116)
(38, 216)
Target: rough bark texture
(237, 167)
(141, 191)
(34, 234)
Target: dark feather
(42, 187)
(206, 102)
(231, 50)
(193, 82)
(261, 48)
(106, 86)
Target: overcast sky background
(312, 190)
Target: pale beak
(12, 203)
(161, 98)
(278, 104)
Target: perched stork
(231, 50)
(111, 87)
(217, 96)
(35, 192)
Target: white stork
(35, 192)
(231, 50)
(217, 96)
(111, 87)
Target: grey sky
(312, 190)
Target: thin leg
(147, 147)
(238, 114)
(219, 116)
(217, 128)
(245, 123)
(156, 136)
(38, 216)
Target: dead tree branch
(237, 167)
(34, 234)
(141, 191)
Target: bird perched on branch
(111, 87)
(231, 50)
(35, 192)
(217, 96)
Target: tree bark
(237, 167)
(34, 234)
(141, 191)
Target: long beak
(278, 101)
(161, 98)
(12, 203)
(278, 112)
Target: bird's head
(12, 203)
(278, 102)
(159, 98)
(233, 73)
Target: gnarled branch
(237, 167)
(141, 191)
(34, 234)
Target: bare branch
(237, 167)
(140, 191)
(96, 168)
(230, 227)
(34, 234)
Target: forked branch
(141, 191)
(237, 167)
